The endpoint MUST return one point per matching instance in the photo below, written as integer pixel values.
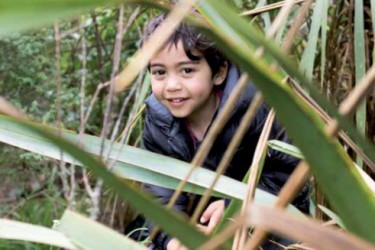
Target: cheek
(202, 87)
(157, 90)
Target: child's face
(184, 86)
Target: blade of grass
(372, 3)
(266, 8)
(281, 30)
(145, 90)
(323, 42)
(303, 229)
(332, 215)
(255, 172)
(285, 148)
(308, 57)
(265, 16)
(360, 63)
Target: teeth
(177, 100)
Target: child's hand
(175, 244)
(212, 215)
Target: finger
(207, 213)
(203, 229)
(214, 220)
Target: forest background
(60, 74)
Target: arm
(151, 142)
(279, 167)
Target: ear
(221, 74)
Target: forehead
(173, 53)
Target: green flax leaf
(308, 58)
(327, 159)
(246, 37)
(15, 230)
(360, 62)
(89, 234)
(20, 15)
(173, 223)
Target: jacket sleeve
(162, 195)
(279, 166)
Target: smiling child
(191, 80)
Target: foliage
(30, 76)
(33, 183)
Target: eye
(187, 71)
(158, 72)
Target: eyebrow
(178, 64)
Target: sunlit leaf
(133, 163)
(173, 223)
(14, 230)
(294, 151)
(88, 234)
(285, 148)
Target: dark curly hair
(192, 39)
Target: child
(191, 81)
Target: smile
(177, 100)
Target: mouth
(176, 100)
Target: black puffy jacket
(169, 136)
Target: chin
(179, 115)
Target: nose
(173, 83)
